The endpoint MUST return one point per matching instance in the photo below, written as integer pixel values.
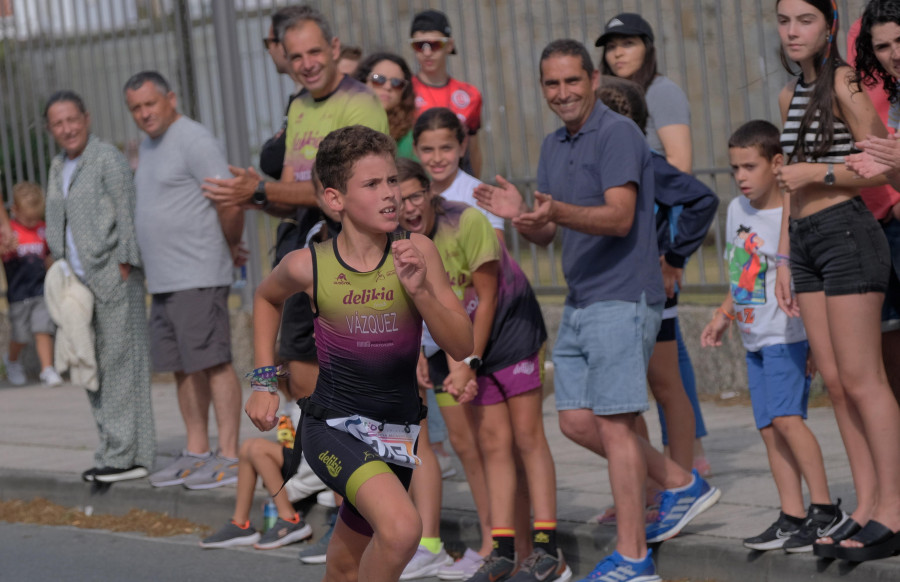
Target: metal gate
(723, 53)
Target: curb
(691, 555)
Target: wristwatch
(473, 362)
(829, 175)
(259, 195)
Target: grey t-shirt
(666, 105)
(178, 229)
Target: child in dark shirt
(25, 266)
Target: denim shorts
(601, 355)
(840, 250)
(779, 385)
(890, 313)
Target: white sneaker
(424, 564)
(15, 372)
(49, 377)
(464, 568)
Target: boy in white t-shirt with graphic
(777, 350)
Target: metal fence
(723, 53)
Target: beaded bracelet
(730, 316)
(265, 378)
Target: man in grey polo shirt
(595, 183)
(187, 243)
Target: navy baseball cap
(432, 20)
(625, 24)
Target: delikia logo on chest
(374, 298)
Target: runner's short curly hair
(342, 148)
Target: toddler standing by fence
(25, 266)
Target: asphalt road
(37, 553)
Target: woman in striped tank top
(838, 257)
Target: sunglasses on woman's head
(381, 80)
(435, 44)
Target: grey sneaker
(216, 472)
(495, 569)
(315, 554)
(542, 567)
(283, 533)
(231, 535)
(178, 470)
(15, 372)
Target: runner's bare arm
(292, 275)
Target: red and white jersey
(461, 98)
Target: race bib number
(394, 443)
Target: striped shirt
(842, 144)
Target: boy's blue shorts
(779, 385)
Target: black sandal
(877, 540)
(848, 529)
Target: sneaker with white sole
(50, 377)
(776, 535)
(184, 465)
(15, 372)
(316, 553)
(284, 532)
(232, 535)
(543, 567)
(115, 474)
(424, 564)
(464, 568)
(677, 507)
(216, 472)
(495, 568)
(617, 568)
(819, 523)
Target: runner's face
(802, 29)
(886, 46)
(430, 60)
(416, 211)
(312, 58)
(568, 89)
(372, 201)
(389, 96)
(69, 127)
(439, 152)
(624, 55)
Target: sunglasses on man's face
(434, 44)
(381, 80)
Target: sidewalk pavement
(47, 437)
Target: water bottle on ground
(270, 515)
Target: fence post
(237, 136)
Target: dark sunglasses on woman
(380, 80)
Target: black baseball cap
(625, 24)
(432, 20)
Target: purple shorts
(523, 376)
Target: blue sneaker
(678, 507)
(615, 568)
